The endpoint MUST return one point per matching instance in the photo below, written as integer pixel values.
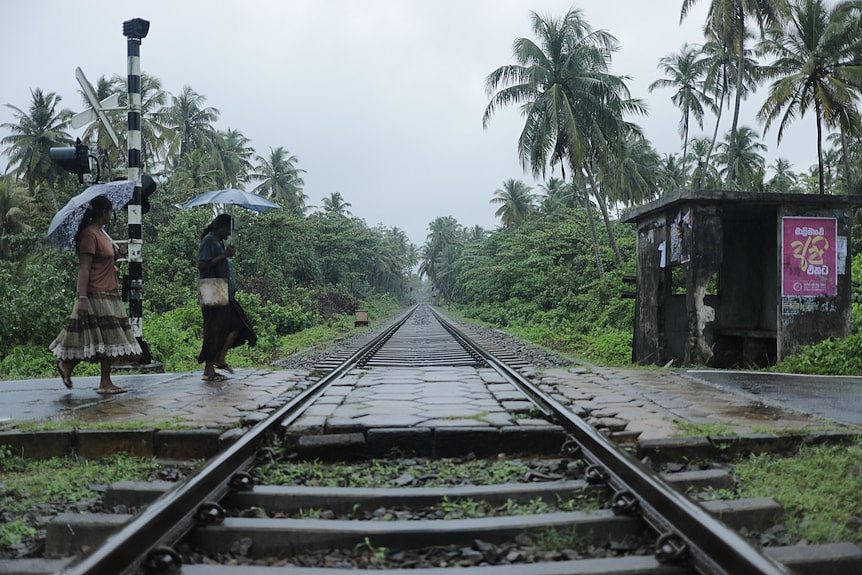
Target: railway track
(512, 492)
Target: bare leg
(209, 370)
(228, 343)
(106, 386)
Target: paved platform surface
(179, 398)
(838, 397)
(637, 401)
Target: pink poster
(809, 256)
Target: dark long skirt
(218, 323)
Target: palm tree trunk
(714, 138)
(595, 237)
(819, 148)
(612, 238)
(848, 177)
(731, 157)
(685, 150)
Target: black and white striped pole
(134, 31)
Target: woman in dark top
(225, 326)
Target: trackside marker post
(135, 30)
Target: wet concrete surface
(641, 402)
(835, 397)
(169, 398)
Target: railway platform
(636, 403)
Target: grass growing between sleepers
(32, 488)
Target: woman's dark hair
(98, 206)
(221, 220)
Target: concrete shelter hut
(740, 279)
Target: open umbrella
(65, 223)
(234, 197)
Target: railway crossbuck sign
(97, 109)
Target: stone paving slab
(650, 401)
(168, 398)
(640, 402)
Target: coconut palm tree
(850, 128)
(722, 64)
(783, 180)
(406, 247)
(516, 203)
(671, 176)
(234, 156)
(190, 122)
(556, 195)
(196, 172)
(573, 107)
(336, 204)
(705, 172)
(33, 134)
(440, 251)
(685, 72)
(630, 176)
(816, 67)
(281, 179)
(744, 152)
(154, 133)
(728, 19)
(476, 234)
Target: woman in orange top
(98, 328)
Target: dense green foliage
(539, 280)
(293, 271)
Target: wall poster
(809, 256)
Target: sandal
(66, 377)
(225, 367)
(214, 377)
(111, 391)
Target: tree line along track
(684, 534)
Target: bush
(175, 336)
(608, 346)
(35, 301)
(829, 357)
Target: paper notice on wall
(662, 248)
(842, 254)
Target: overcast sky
(381, 100)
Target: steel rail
(712, 546)
(172, 515)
